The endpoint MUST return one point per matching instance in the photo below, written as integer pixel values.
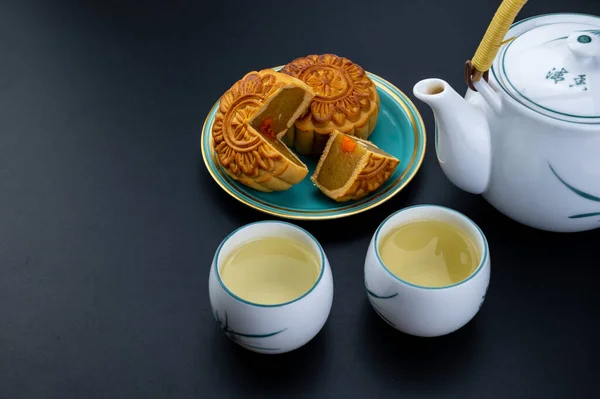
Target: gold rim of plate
(396, 186)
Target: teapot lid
(553, 67)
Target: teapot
(526, 135)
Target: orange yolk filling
(266, 128)
(348, 145)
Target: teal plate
(400, 131)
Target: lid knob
(584, 44)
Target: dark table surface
(109, 220)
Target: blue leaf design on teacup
(584, 215)
(483, 297)
(381, 296)
(238, 337)
(375, 308)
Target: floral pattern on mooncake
(262, 163)
(345, 100)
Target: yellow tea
(270, 270)
(429, 253)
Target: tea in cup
(270, 287)
(427, 270)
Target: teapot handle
(492, 40)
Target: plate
(400, 131)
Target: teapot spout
(462, 140)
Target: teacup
(275, 327)
(426, 311)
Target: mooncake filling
(278, 112)
(344, 155)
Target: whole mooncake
(351, 168)
(345, 99)
(251, 115)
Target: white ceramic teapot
(528, 139)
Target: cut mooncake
(345, 99)
(350, 168)
(251, 115)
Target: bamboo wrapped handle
(492, 40)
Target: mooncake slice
(351, 168)
(345, 99)
(251, 115)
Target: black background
(109, 220)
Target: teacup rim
(275, 305)
(446, 209)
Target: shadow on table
(282, 373)
(395, 355)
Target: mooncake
(350, 168)
(345, 99)
(251, 115)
